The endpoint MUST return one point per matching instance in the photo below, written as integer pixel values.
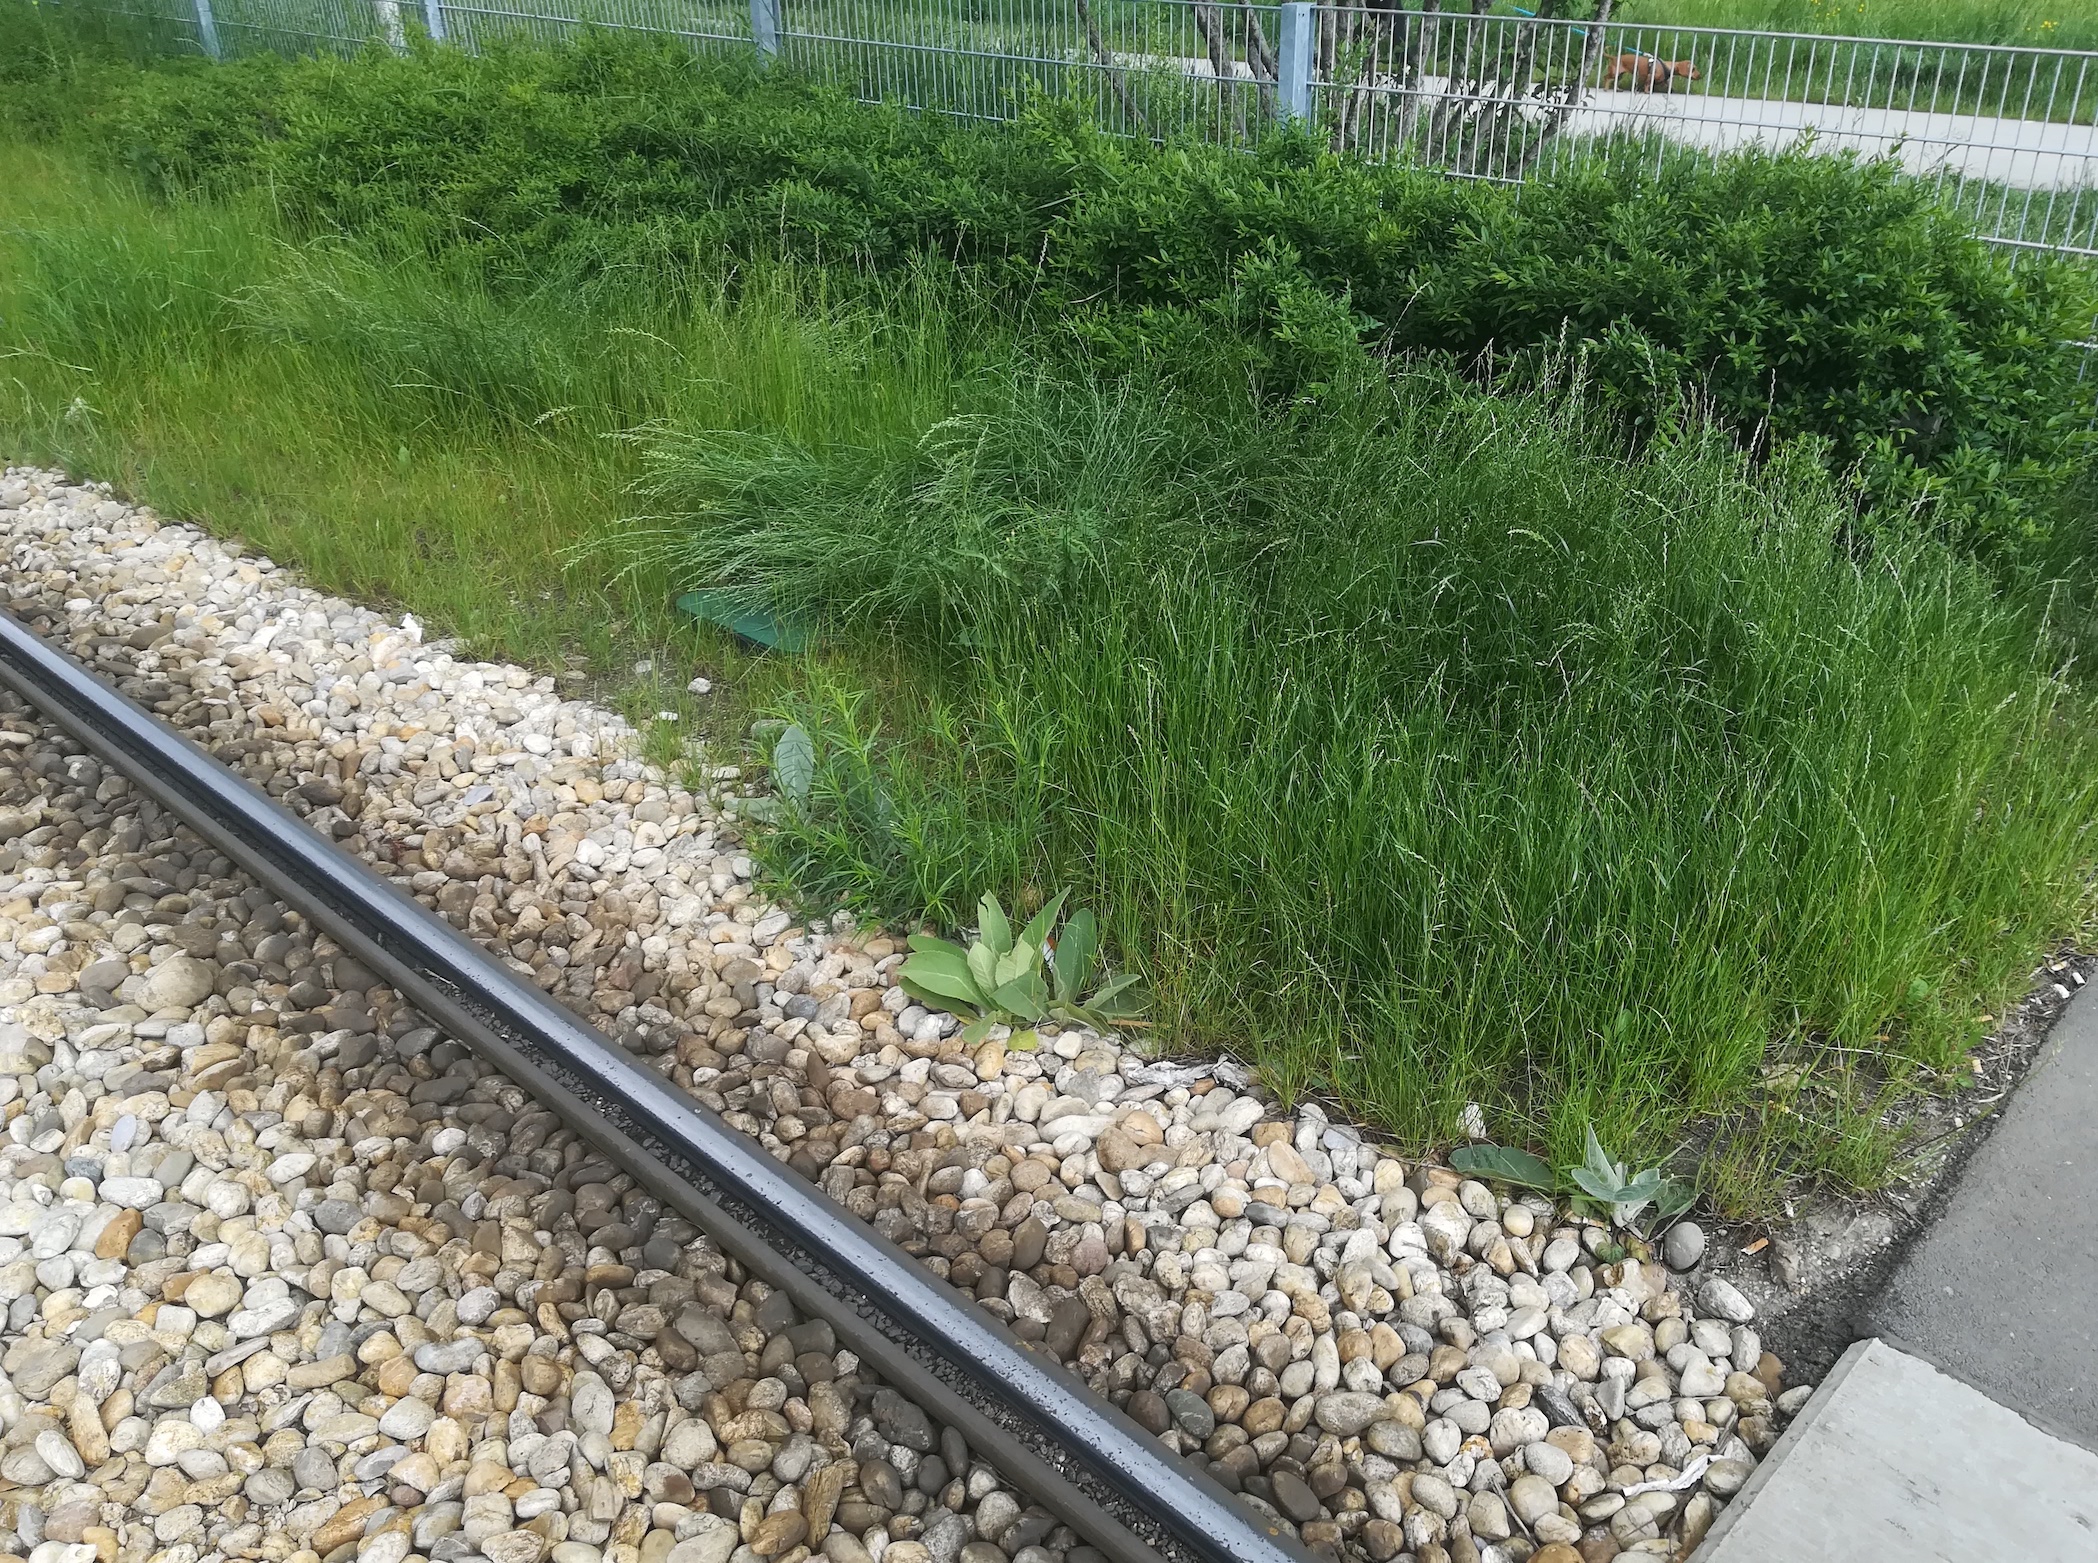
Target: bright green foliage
(1422, 745)
(1419, 744)
(999, 974)
(1073, 958)
(1787, 295)
(2046, 24)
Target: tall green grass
(399, 429)
(1425, 746)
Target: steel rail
(1044, 1430)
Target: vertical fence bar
(388, 13)
(764, 29)
(1295, 55)
(208, 30)
(433, 20)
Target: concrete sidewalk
(2001, 1290)
(1895, 1462)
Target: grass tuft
(1426, 748)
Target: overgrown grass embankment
(1571, 656)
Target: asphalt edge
(1824, 1396)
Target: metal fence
(2009, 135)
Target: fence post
(208, 29)
(764, 29)
(388, 13)
(433, 20)
(1295, 54)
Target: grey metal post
(433, 20)
(1294, 56)
(764, 29)
(388, 13)
(208, 29)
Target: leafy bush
(1788, 295)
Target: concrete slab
(2000, 1289)
(1895, 1462)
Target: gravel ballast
(225, 1149)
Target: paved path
(1895, 1462)
(2025, 153)
(2002, 1289)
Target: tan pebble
(116, 1237)
(1635, 1341)
(1264, 1416)
(820, 1494)
(264, 1370)
(775, 1533)
(445, 1442)
(397, 1376)
(1141, 1127)
(84, 1428)
(382, 1347)
(466, 1396)
(1287, 1165)
(347, 1524)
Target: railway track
(1086, 1463)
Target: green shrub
(1789, 294)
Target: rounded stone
(1684, 1245)
(1548, 1462)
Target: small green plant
(1611, 1185)
(1608, 1185)
(1000, 975)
